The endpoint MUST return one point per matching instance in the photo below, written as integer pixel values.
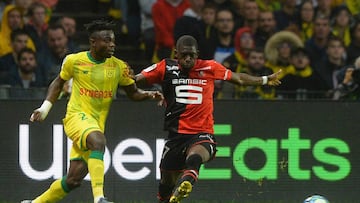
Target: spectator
(190, 23)
(324, 8)
(11, 20)
(353, 50)
(8, 62)
(251, 14)
(27, 74)
(24, 6)
(255, 67)
(349, 89)
(306, 20)
(208, 17)
(238, 9)
(243, 42)
(266, 28)
(287, 15)
(69, 24)
(237, 61)
(316, 45)
(55, 50)
(165, 13)
(221, 45)
(37, 25)
(278, 49)
(340, 24)
(147, 27)
(328, 68)
(300, 77)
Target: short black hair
(186, 40)
(26, 50)
(256, 50)
(16, 33)
(99, 25)
(55, 26)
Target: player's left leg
(95, 142)
(196, 155)
(60, 188)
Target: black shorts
(174, 152)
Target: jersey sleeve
(67, 67)
(220, 72)
(155, 73)
(125, 78)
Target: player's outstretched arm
(246, 79)
(136, 94)
(53, 93)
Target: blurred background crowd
(316, 43)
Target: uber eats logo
(329, 161)
(299, 158)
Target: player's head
(101, 38)
(186, 51)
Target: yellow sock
(96, 171)
(57, 191)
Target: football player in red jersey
(188, 85)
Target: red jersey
(189, 96)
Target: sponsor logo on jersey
(176, 73)
(187, 81)
(170, 68)
(110, 73)
(96, 93)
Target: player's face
(104, 44)
(187, 56)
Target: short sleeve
(67, 67)
(154, 73)
(125, 78)
(220, 72)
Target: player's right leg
(88, 137)
(166, 185)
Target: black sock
(191, 172)
(165, 192)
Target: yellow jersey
(94, 84)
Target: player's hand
(156, 95)
(273, 79)
(37, 115)
(40, 113)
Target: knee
(73, 183)
(96, 141)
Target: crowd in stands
(316, 43)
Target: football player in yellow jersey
(96, 76)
